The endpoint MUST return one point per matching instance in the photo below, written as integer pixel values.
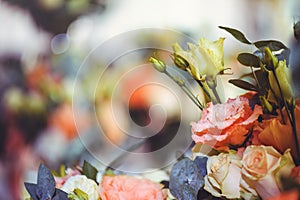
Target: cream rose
(83, 183)
(223, 176)
(262, 166)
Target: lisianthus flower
(225, 124)
(127, 187)
(84, 184)
(274, 133)
(60, 181)
(202, 60)
(262, 167)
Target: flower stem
(214, 90)
(186, 91)
(290, 114)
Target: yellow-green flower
(203, 60)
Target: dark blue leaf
(45, 183)
(185, 180)
(31, 189)
(201, 161)
(60, 195)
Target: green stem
(291, 115)
(295, 133)
(186, 91)
(120, 158)
(214, 90)
(189, 91)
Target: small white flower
(83, 183)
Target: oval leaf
(243, 84)
(274, 45)
(248, 59)
(185, 180)
(236, 34)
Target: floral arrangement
(253, 138)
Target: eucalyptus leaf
(248, 59)
(185, 180)
(45, 183)
(89, 171)
(243, 84)
(274, 45)
(236, 34)
(201, 161)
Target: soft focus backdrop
(44, 45)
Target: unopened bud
(158, 64)
(270, 60)
(180, 62)
(266, 104)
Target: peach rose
(225, 124)
(223, 177)
(262, 167)
(126, 187)
(278, 135)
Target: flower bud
(270, 60)
(158, 64)
(283, 76)
(180, 62)
(266, 104)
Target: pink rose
(225, 124)
(262, 168)
(126, 187)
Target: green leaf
(61, 172)
(249, 59)
(274, 45)
(78, 194)
(243, 84)
(236, 34)
(89, 170)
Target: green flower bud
(158, 64)
(266, 104)
(283, 76)
(270, 60)
(180, 62)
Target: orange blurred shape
(290, 195)
(62, 118)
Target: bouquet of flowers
(253, 139)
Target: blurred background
(61, 102)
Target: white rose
(83, 183)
